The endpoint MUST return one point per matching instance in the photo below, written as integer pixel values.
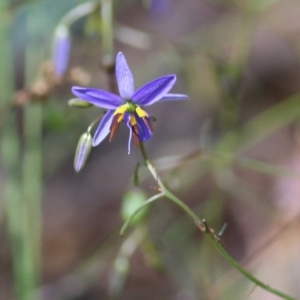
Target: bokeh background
(231, 152)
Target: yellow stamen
(121, 117)
(133, 121)
(140, 112)
(121, 109)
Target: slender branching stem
(203, 226)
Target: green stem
(95, 121)
(208, 231)
(31, 168)
(165, 191)
(107, 31)
(32, 191)
(107, 34)
(150, 200)
(238, 267)
(78, 12)
(10, 154)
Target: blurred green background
(231, 152)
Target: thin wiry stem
(203, 226)
(149, 201)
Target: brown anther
(148, 123)
(114, 127)
(136, 135)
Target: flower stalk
(203, 226)
(107, 32)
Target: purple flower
(128, 106)
(160, 7)
(61, 49)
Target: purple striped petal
(98, 97)
(174, 97)
(124, 77)
(103, 128)
(154, 90)
(145, 133)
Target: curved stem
(150, 200)
(208, 231)
(95, 121)
(164, 190)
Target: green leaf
(131, 202)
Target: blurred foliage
(230, 152)
(131, 201)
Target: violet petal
(61, 49)
(98, 97)
(124, 77)
(145, 133)
(103, 128)
(174, 97)
(154, 90)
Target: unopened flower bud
(76, 102)
(61, 49)
(83, 151)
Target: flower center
(134, 111)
